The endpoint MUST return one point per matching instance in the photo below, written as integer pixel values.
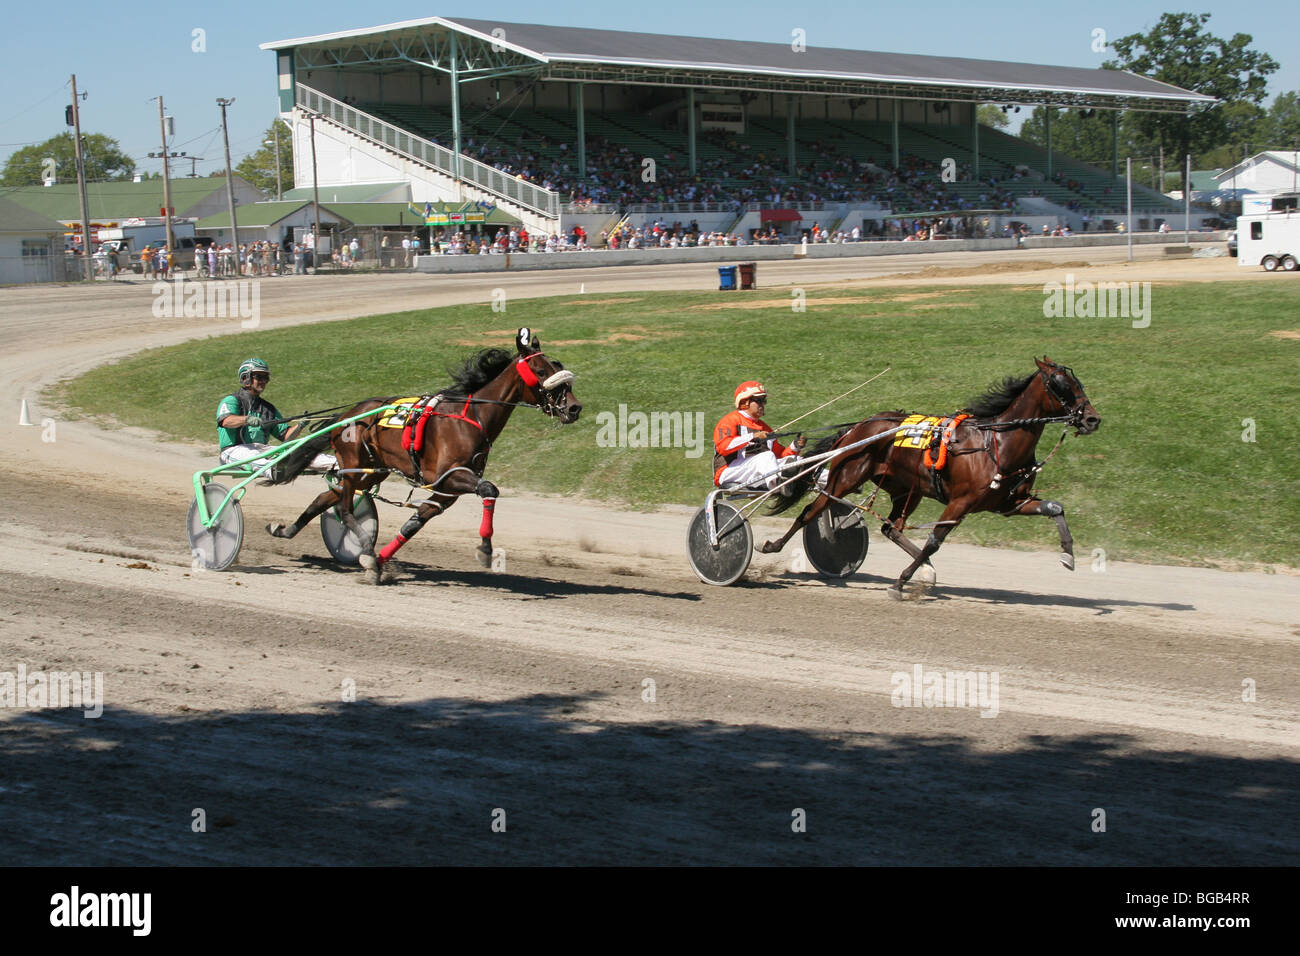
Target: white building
(31, 245)
(1270, 172)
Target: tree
(1279, 128)
(1178, 51)
(990, 115)
(104, 160)
(259, 167)
(1085, 135)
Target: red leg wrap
(390, 549)
(485, 526)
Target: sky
(125, 55)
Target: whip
(835, 399)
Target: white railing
(589, 208)
(498, 183)
(642, 208)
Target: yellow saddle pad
(917, 431)
(396, 418)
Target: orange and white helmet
(747, 390)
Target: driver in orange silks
(745, 453)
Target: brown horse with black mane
(989, 466)
(457, 426)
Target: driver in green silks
(246, 422)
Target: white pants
(763, 469)
(234, 453)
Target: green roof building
(114, 201)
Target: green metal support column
(1114, 144)
(975, 139)
(789, 132)
(1047, 117)
(455, 109)
(690, 129)
(582, 134)
(895, 136)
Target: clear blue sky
(124, 54)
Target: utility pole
(315, 194)
(230, 183)
(81, 183)
(167, 185)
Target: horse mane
(997, 398)
(476, 371)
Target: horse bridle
(549, 390)
(1073, 415)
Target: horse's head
(1064, 387)
(546, 382)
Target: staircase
(375, 149)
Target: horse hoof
(275, 530)
(927, 576)
(895, 593)
(1068, 561)
(769, 548)
(484, 556)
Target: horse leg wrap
(485, 526)
(413, 524)
(390, 549)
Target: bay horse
(461, 425)
(990, 463)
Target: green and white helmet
(249, 366)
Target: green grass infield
(1169, 477)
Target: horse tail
(800, 486)
(293, 464)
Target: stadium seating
(836, 159)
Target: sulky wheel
(836, 542)
(215, 548)
(343, 543)
(726, 563)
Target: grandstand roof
(489, 48)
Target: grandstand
(549, 122)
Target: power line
(61, 87)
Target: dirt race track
(525, 691)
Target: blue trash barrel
(727, 278)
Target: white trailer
(1270, 239)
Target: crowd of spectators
(733, 173)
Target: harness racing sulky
(981, 459)
(437, 442)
